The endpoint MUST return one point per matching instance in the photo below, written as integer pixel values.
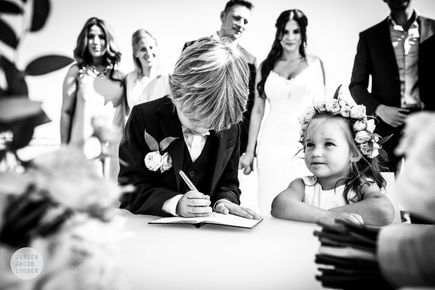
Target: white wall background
(333, 27)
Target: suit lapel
(385, 45)
(171, 127)
(426, 29)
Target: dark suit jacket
(375, 57)
(152, 189)
(252, 64)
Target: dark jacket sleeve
(228, 184)
(148, 196)
(360, 77)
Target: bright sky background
(333, 27)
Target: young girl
(340, 150)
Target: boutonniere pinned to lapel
(155, 160)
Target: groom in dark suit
(399, 56)
(209, 89)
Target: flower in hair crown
(155, 160)
(367, 141)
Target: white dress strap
(310, 188)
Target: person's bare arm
(68, 101)
(375, 208)
(289, 204)
(247, 159)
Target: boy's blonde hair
(210, 84)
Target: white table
(276, 254)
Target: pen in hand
(187, 180)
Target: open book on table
(214, 218)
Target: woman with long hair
(290, 80)
(93, 92)
(146, 82)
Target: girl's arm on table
(375, 208)
(289, 204)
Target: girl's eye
(329, 144)
(309, 145)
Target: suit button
(191, 173)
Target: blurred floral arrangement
(57, 203)
(64, 209)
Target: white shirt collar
(189, 131)
(414, 25)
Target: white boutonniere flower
(155, 160)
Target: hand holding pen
(193, 203)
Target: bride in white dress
(290, 81)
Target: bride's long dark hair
(276, 50)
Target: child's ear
(355, 157)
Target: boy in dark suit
(399, 56)
(209, 89)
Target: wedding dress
(278, 161)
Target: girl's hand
(194, 204)
(352, 218)
(246, 163)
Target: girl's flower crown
(366, 140)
